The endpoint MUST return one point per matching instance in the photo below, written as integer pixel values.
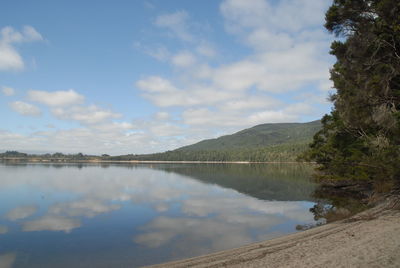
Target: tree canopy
(360, 139)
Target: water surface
(54, 215)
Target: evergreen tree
(360, 139)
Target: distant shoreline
(54, 161)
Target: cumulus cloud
(7, 91)
(10, 59)
(56, 98)
(22, 212)
(85, 115)
(24, 108)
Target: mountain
(280, 142)
(259, 136)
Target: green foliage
(260, 136)
(360, 139)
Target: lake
(120, 215)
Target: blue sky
(123, 77)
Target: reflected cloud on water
(168, 211)
(7, 260)
(3, 229)
(216, 223)
(22, 212)
(51, 223)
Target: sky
(145, 76)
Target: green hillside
(260, 136)
(278, 142)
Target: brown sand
(369, 239)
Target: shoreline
(58, 161)
(368, 239)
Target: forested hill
(278, 142)
(260, 136)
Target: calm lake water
(133, 215)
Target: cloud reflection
(51, 223)
(3, 229)
(86, 207)
(193, 217)
(207, 234)
(220, 222)
(22, 212)
(7, 260)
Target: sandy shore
(369, 239)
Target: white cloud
(162, 116)
(24, 108)
(106, 137)
(155, 84)
(249, 103)
(19, 213)
(30, 34)
(183, 59)
(272, 117)
(85, 115)
(56, 98)
(7, 91)
(206, 117)
(51, 223)
(10, 59)
(177, 24)
(166, 129)
(165, 94)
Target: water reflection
(7, 260)
(3, 229)
(132, 215)
(51, 223)
(22, 212)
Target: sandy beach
(368, 239)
